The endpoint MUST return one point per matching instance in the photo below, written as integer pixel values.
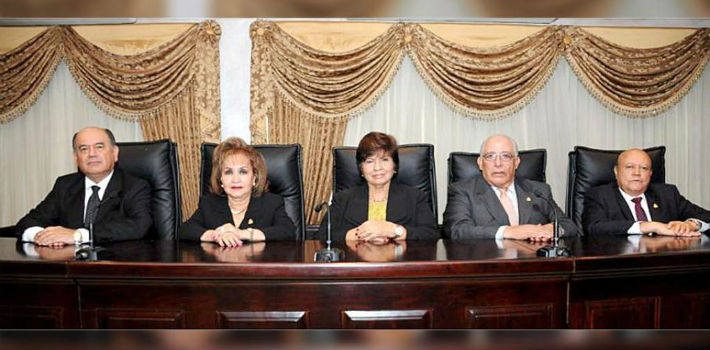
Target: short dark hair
(375, 142)
(108, 132)
(233, 146)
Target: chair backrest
(416, 169)
(284, 172)
(589, 167)
(463, 166)
(157, 163)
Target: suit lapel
(396, 211)
(525, 203)
(622, 204)
(75, 204)
(253, 209)
(485, 194)
(112, 195)
(656, 207)
(357, 210)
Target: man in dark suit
(114, 203)
(499, 205)
(635, 206)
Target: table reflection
(377, 251)
(51, 253)
(653, 244)
(245, 253)
(302, 252)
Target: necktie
(92, 207)
(640, 214)
(508, 206)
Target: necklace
(235, 204)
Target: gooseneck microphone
(327, 254)
(552, 250)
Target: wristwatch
(697, 223)
(78, 237)
(399, 231)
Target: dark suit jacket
(267, 213)
(406, 206)
(605, 211)
(124, 212)
(474, 211)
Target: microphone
(91, 252)
(327, 254)
(553, 250)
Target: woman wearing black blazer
(382, 209)
(238, 183)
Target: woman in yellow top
(381, 209)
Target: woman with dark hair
(382, 209)
(239, 196)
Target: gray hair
(515, 144)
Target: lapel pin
(528, 199)
(250, 222)
(655, 206)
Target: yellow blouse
(377, 211)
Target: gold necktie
(508, 206)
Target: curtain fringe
(360, 109)
(32, 98)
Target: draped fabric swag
(305, 92)
(172, 89)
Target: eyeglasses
(504, 157)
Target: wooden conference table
(609, 282)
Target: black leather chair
(589, 167)
(157, 163)
(7, 231)
(285, 175)
(416, 169)
(463, 166)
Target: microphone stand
(553, 250)
(327, 254)
(91, 252)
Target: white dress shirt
(635, 229)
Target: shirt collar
(103, 183)
(628, 197)
(510, 191)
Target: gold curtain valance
(484, 82)
(294, 83)
(323, 84)
(128, 87)
(172, 88)
(637, 82)
(25, 72)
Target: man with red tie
(635, 206)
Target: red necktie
(640, 214)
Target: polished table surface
(607, 282)
(581, 248)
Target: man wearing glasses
(499, 205)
